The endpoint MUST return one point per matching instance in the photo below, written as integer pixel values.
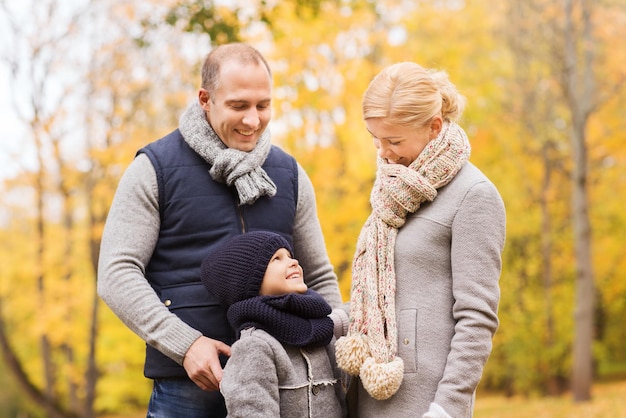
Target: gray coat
(263, 378)
(448, 264)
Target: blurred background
(85, 83)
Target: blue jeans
(177, 398)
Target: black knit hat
(234, 270)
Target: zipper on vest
(239, 209)
(240, 214)
(241, 218)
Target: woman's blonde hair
(407, 94)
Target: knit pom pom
(382, 380)
(351, 352)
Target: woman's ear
(436, 124)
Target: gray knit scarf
(370, 348)
(230, 166)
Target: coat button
(406, 341)
(167, 302)
(316, 390)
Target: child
(283, 363)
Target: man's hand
(202, 363)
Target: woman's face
(400, 144)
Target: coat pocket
(192, 303)
(407, 335)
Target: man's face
(240, 108)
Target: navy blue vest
(197, 213)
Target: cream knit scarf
(369, 350)
(228, 165)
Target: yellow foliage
(322, 64)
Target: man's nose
(251, 118)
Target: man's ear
(204, 99)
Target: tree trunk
(49, 367)
(579, 88)
(553, 386)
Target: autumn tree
(558, 52)
(41, 98)
(578, 81)
(89, 94)
(540, 141)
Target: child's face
(283, 275)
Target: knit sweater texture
(294, 319)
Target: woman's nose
(383, 151)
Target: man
(214, 177)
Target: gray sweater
(448, 264)
(266, 379)
(130, 235)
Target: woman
(425, 289)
